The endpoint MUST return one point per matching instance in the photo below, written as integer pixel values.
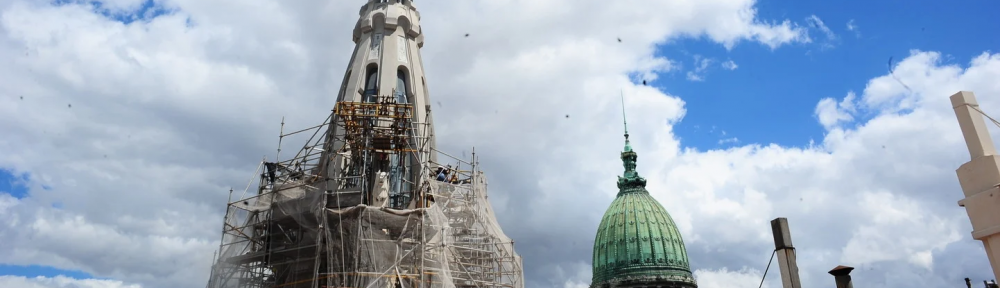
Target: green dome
(637, 243)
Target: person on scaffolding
(443, 173)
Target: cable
(995, 122)
(768, 267)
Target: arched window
(371, 84)
(401, 90)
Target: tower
(637, 243)
(366, 202)
(383, 104)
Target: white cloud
(732, 140)
(853, 28)
(818, 24)
(60, 282)
(724, 278)
(831, 113)
(700, 66)
(729, 65)
(651, 68)
(577, 276)
(924, 233)
(183, 112)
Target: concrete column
(977, 136)
(786, 253)
(980, 177)
(842, 274)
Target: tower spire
(630, 181)
(628, 147)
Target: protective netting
(286, 237)
(484, 254)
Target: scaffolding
(359, 205)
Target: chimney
(842, 274)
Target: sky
(126, 122)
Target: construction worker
(443, 173)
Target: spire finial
(624, 119)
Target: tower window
(401, 90)
(371, 84)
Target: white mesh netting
(284, 237)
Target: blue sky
(771, 96)
(13, 184)
(147, 10)
(35, 271)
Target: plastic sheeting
(285, 237)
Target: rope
(768, 267)
(976, 107)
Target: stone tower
(386, 66)
(366, 202)
(637, 243)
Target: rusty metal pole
(786, 253)
(843, 276)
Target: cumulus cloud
(169, 112)
(831, 113)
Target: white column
(980, 177)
